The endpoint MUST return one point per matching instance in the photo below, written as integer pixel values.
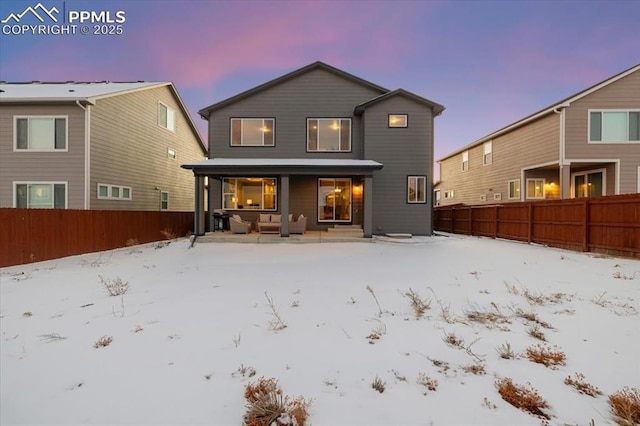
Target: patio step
(346, 231)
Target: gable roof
(86, 93)
(205, 112)
(566, 102)
(437, 108)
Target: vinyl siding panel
(129, 148)
(43, 166)
(528, 146)
(404, 152)
(622, 94)
(316, 94)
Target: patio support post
(367, 213)
(284, 205)
(565, 181)
(198, 209)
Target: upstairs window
(614, 126)
(465, 161)
(398, 120)
(252, 131)
(328, 134)
(166, 117)
(487, 158)
(40, 133)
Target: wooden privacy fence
(32, 235)
(604, 224)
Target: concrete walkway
(255, 237)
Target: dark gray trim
(435, 107)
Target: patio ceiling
(284, 166)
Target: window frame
(627, 127)
(416, 178)
(241, 119)
(401, 126)
(519, 189)
(465, 161)
(29, 117)
(52, 183)
(585, 173)
(235, 194)
(340, 134)
(350, 186)
(110, 196)
(543, 180)
(172, 154)
(487, 155)
(170, 113)
(164, 201)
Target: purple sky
(488, 62)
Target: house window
(41, 195)
(171, 154)
(614, 126)
(398, 120)
(417, 189)
(448, 194)
(40, 133)
(514, 189)
(113, 192)
(249, 193)
(164, 200)
(483, 197)
(465, 161)
(252, 131)
(487, 158)
(328, 134)
(334, 200)
(437, 197)
(535, 189)
(497, 196)
(590, 183)
(166, 117)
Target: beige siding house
(100, 146)
(586, 145)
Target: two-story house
(324, 143)
(98, 145)
(586, 145)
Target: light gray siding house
(99, 146)
(324, 143)
(586, 145)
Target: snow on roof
(71, 91)
(284, 162)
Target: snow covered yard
(195, 326)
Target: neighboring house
(99, 146)
(324, 143)
(586, 145)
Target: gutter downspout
(561, 151)
(86, 154)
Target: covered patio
(291, 189)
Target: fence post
(495, 221)
(530, 224)
(585, 236)
(470, 220)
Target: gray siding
(43, 166)
(129, 148)
(404, 152)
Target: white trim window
(449, 194)
(416, 189)
(40, 195)
(398, 120)
(589, 183)
(334, 200)
(465, 161)
(164, 200)
(614, 126)
(535, 189)
(513, 189)
(638, 179)
(171, 154)
(249, 193)
(252, 131)
(114, 192)
(487, 157)
(40, 133)
(166, 117)
(328, 134)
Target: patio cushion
(265, 218)
(276, 218)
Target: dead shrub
(452, 340)
(243, 371)
(377, 333)
(114, 287)
(276, 323)
(103, 342)
(505, 351)
(535, 332)
(419, 305)
(581, 385)
(523, 397)
(378, 384)
(427, 382)
(625, 406)
(168, 234)
(267, 406)
(545, 355)
(490, 319)
(476, 368)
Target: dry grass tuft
(377, 333)
(243, 371)
(276, 323)
(267, 406)
(103, 342)
(625, 406)
(427, 382)
(532, 317)
(490, 319)
(115, 287)
(535, 332)
(475, 368)
(378, 384)
(542, 354)
(419, 305)
(582, 386)
(505, 351)
(452, 340)
(168, 234)
(523, 397)
(373, 294)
